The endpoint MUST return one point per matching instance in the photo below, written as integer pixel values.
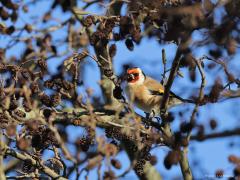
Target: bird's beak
(130, 77)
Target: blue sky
(211, 154)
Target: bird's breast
(140, 97)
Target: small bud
(213, 124)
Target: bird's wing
(156, 88)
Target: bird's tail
(183, 100)
(189, 101)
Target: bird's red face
(133, 75)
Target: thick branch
(173, 72)
(26, 157)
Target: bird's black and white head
(135, 76)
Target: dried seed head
(153, 160)
(219, 173)
(186, 127)
(116, 163)
(28, 28)
(117, 92)
(109, 175)
(84, 143)
(215, 91)
(172, 158)
(129, 44)
(14, 16)
(10, 30)
(98, 36)
(112, 50)
(213, 124)
(4, 14)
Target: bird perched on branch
(147, 93)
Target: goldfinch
(147, 93)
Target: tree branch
(226, 133)
(26, 157)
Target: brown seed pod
(186, 127)
(10, 30)
(84, 143)
(109, 175)
(4, 14)
(14, 16)
(10, 5)
(116, 163)
(215, 91)
(213, 124)
(129, 44)
(153, 160)
(97, 36)
(172, 158)
(28, 28)
(112, 50)
(117, 92)
(219, 173)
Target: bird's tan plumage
(153, 85)
(147, 93)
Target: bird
(146, 93)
